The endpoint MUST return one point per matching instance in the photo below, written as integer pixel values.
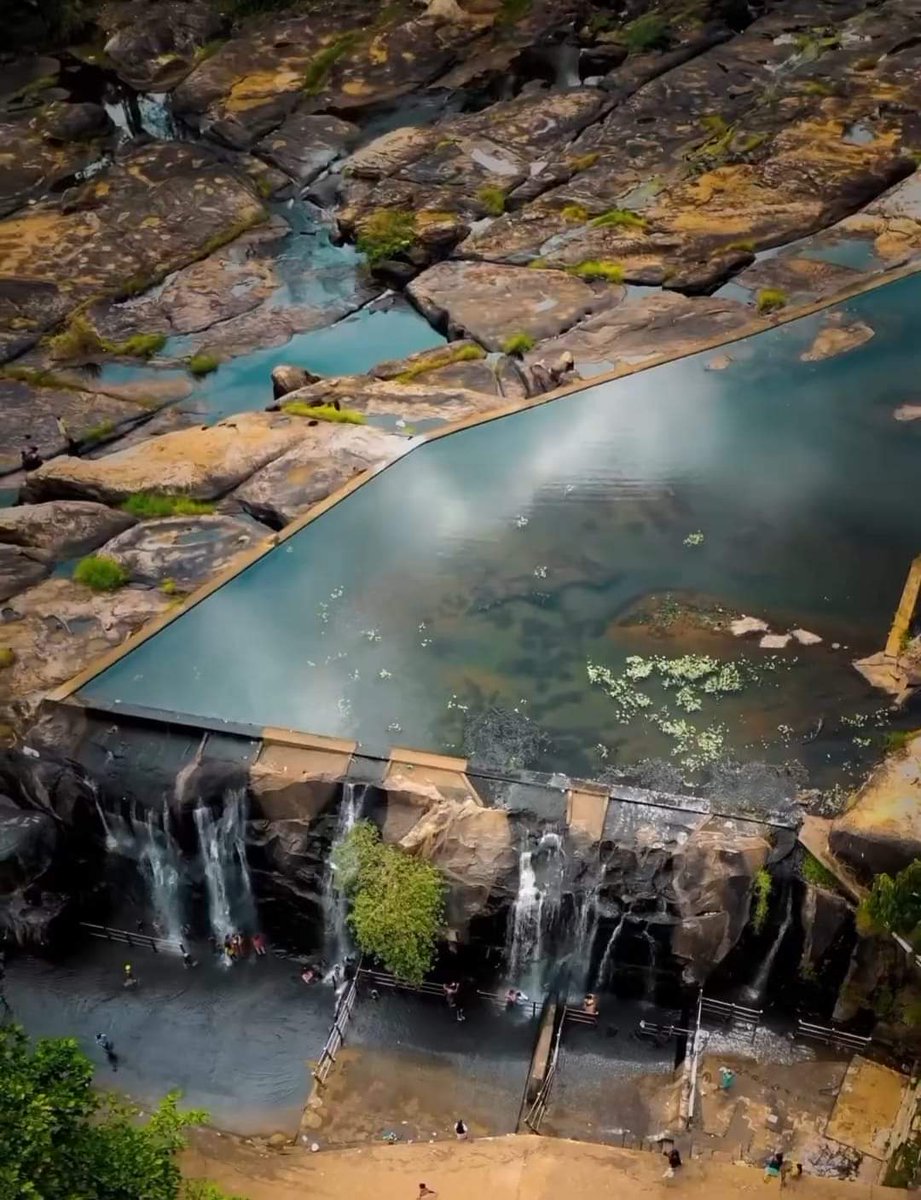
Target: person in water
(258, 940)
(130, 979)
(187, 959)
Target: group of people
(236, 946)
(779, 1167)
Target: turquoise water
(489, 567)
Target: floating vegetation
(694, 539)
(690, 682)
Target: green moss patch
(100, 573)
(619, 218)
(492, 199)
(771, 299)
(150, 506)
(438, 359)
(203, 364)
(322, 63)
(325, 412)
(80, 339)
(651, 31)
(386, 233)
(518, 343)
(610, 272)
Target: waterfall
(535, 908)
(222, 844)
(608, 957)
(755, 989)
(335, 904)
(160, 863)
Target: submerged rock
(205, 462)
(186, 550)
(62, 528)
(837, 337)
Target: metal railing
(344, 1009)
(736, 1016)
(537, 1110)
(126, 938)
(831, 1036)
(382, 979)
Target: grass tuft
(322, 63)
(746, 245)
(619, 218)
(96, 433)
(771, 299)
(762, 899)
(438, 359)
(324, 412)
(582, 162)
(80, 339)
(649, 32)
(518, 343)
(817, 873)
(203, 364)
(385, 233)
(492, 199)
(100, 573)
(610, 272)
(150, 506)
(574, 212)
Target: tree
(60, 1140)
(894, 904)
(397, 902)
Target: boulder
(881, 831)
(186, 550)
(204, 462)
(491, 303)
(306, 143)
(62, 528)
(322, 461)
(837, 336)
(825, 917)
(475, 849)
(713, 874)
(154, 46)
(20, 568)
(76, 122)
(286, 378)
(27, 843)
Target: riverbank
(509, 1168)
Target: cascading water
(755, 989)
(335, 904)
(222, 844)
(604, 968)
(536, 906)
(160, 863)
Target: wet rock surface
(306, 143)
(62, 528)
(153, 47)
(185, 550)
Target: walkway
(506, 1168)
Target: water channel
(493, 566)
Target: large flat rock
(204, 462)
(882, 829)
(62, 528)
(306, 143)
(491, 302)
(323, 460)
(186, 550)
(32, 164)
(153, 46)
(408, 403)
(153, 210)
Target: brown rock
(21, 568)
(62, 528)
(286, 378)
(837, 338)
(187, 550)
(306, 143)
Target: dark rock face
(20, 569)
(306, 143)
(154, 46)
(76, 122)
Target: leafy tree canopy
(397, 902)
(894, 904)
(60, 1140)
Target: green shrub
(771, 299)
(518, 343)
(203, 364)
(904, 1167)
(619, 218)
(150, 506)
(648, 32)
(397, 902)
(139, 345)
(386, 233)
(897, 739)
(610, 272)
(762, 899)
(322, 63)
(324, 412)
(893, 903)
(817, 873)
(492, 199)
(440, 358)
(100, 573)
(574, 212)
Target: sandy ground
(506, 1168)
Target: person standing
(460, 1130)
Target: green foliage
(63, 1141)
(894, 904)
(512, 11)
(38, 377)
(324, 412)
(492, 199)
(100, 573)
(648, 32)
(386, 233)
(817, 873)
(203, 364)
(169, 587)
(80, 339)
(440, 358)
(96, 433)
(149, 506)
(7, 656)
(397, 902)
(204, 1189)
(762, 899)
(619, 218)
(610, 272)
(898, 739)
(322, 63)
(904, 1167)
(574, 212)
(518, 343)
(771, 299)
